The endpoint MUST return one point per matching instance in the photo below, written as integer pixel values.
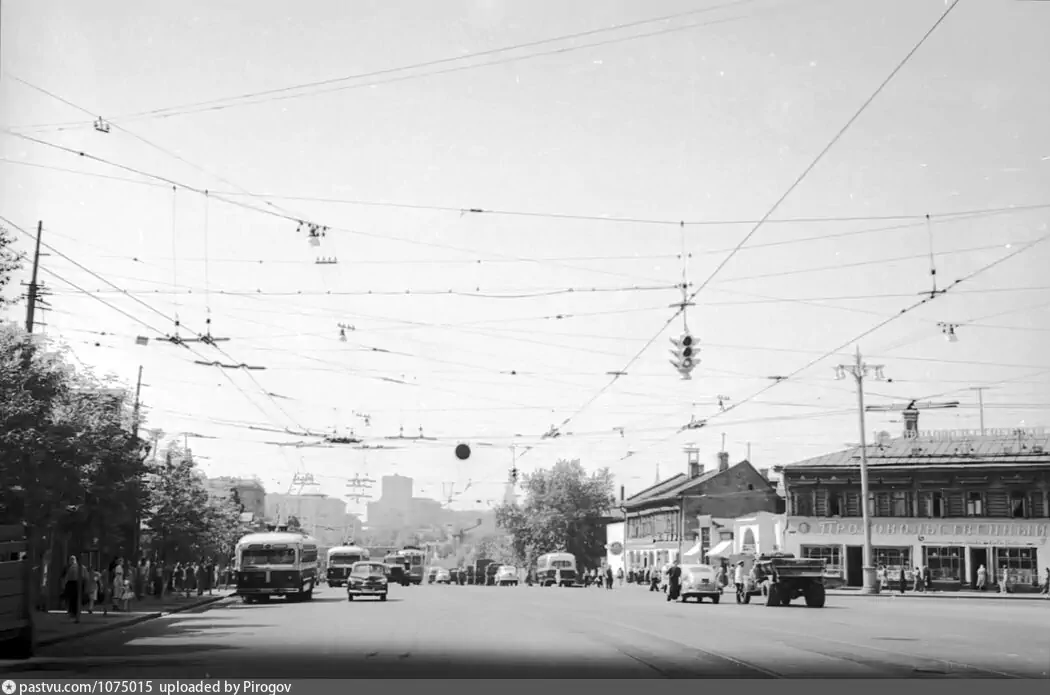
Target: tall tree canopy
(178, 521)
(70, 458)
(561, 511)
(10, 261)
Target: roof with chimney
(682, 484)
(928, 452)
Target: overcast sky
(706, 118)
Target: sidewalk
(957, 595)
(54, 626)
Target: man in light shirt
(738, 576)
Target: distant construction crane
(910, 412)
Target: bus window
(283, 556)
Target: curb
(127, 623)
(945, 596)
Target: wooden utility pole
(34, 289)
(135, 411)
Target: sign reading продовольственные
(984, 533)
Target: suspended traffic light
(683, 356)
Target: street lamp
(859, 370)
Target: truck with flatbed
(782, 578)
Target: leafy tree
(179, 523)
(498, 548)
(224, 526)
(10, 261)
(71, 462)
(561, 511)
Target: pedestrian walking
(902, 581)
(738, 578)
(106, 587)
(608, 578)
(1004, 582)
(72, 579)
(1046, 584)
(90, 589)
(917, 584)
(982, 578)
(927, 578)
(674, 582)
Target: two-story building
(953, 501)
(664, 521)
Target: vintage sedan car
(367, 579)
(507, 575)
(700, 582)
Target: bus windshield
(344, 560)
(280, 556)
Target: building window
(890, 504)
(831, 554)
(931, 504)
(1019, 504)
(975, 504)
(900, 504)
(852, 504)
(1022, 563)
(946, 564)
(835, 503)
(893, 560)
(803, 503)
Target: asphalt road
(529, 632)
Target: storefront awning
(721, 550)
(695, 550)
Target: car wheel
(716, 599)
(349, 597)
(382, 597)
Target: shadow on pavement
(288, 664)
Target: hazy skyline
(707, 120)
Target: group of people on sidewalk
(120, 583)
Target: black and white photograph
(518, 339)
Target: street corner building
(695, 514)
(949, 500)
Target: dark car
(367, 579)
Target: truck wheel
(815, 595)
(773, 597)
(716, 598)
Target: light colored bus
(339, 561)
(276, 564)
(556, 569)
(414, 560)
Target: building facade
(665, 521)
(950, 501)
(250, 492)
(323, 517)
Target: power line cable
(776, 205)
(922, 302)
(912, 220)
(291, 218)
(155, 311)
(247, 97)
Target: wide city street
(526, 632)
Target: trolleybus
(276, 564)
(341, 559)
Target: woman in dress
(117, 584)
